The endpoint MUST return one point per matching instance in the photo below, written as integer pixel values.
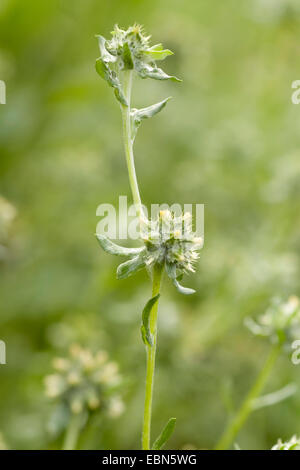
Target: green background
(228, 139)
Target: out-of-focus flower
(85, 382)
(280, 322)
(292, 444)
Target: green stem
(128, 143)
(72, 432)
(247, 406)
(151, 351)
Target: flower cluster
(168, 241)
(280, 322)
(292, 444)
(129, 50)
(84, 382)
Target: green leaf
(105, 55)
(137, 115)
(114, 249)
(145, 328)
(157, 54)
(130, 267)
(165, 434)
(149, 71)
(110, 77)
(127, 57)
(156, 47)
(171, 272)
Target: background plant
(83, 384)
(226, 140)
(280, 323)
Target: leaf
(105, 55)
(165, 434)
(148, 71)
(114, 249)
(171, 271)
(275, 397)
(145, 328)
(129, 267)
(110, 77)
(157, 54)
(137, 115)
(127, 57)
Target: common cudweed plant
(168, 242)
(280, 324)
(83, 383)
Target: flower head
(280, 322)
(129, 50)
(84, 382)
(168, 241)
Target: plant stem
(151, 351)
(72, 432)
(128, 143)
(246, 408)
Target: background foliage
(229, 139)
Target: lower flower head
(168, 241)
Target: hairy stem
(151, 351)
(72, 432)
(128, 144)
(247, 406)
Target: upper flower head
(129, 50)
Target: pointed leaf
(105, 55)
(114, 249)
(149, 71)
(127, 57)
(183, 290)
(129, 267)
(156, 47)
(146, 113)
(145, 328)
(165, 434)
(275, 397)
(155, 54)
(137, 115)
(110, 77)
(171, 271)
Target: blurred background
(228, 139)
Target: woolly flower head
(280, 322)
(84, 382)
(134, 37)
(129, 50)
(168, 241)
(292, 444)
